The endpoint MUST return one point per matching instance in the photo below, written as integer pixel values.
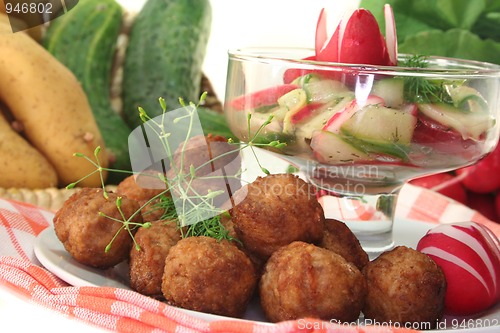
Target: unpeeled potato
(35, 32)
(21, 165)
(47, 99)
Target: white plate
(51, 253)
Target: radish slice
(321, 32)
(391, 38)
(330, 50)
(342, 25)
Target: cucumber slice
(331, 148)
(380, 125)
(326, 90)
(394, 149)
(259, 119)
(302, 80)
(391, 91)
(292, 102)
(471, 125)
(467, 98)
(277, 111)
(306, 129)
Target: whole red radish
(484, 203)
(497, 204)
(444, 183)
(484, 176)
(469, 255)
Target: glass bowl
(360, 131)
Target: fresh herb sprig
(190, 203)
(422, 90)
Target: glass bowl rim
(271, 55)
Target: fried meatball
(229, 226)
(143, 188)
(207, 275)
(338, 238)
(404, 286)
(274, 211)
(304, 280)
(216, 163)
(206, 154)
(147, 263)
(85, 226)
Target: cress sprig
(192, 202)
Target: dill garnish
(195, 213)
(422, 90)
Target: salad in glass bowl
(358, 119)
(426, 115)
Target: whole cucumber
(85, 40)
(164, 57)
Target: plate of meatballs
(269, 254)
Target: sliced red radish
(292, 73)
(321, 31)
(335, 122)
(469, 255)
(261, 98)
(391, 38)
(357, 39)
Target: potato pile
(77, 83)
(51, 113)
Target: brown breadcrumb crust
(338, 238)
(85, 234)
(147, 263)
(216, 164)
(303, 280)
(135, 187)
(404, 286)
(274, 211)
(206, 275)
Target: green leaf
(439, 14)
(456, 43)
(417, 16)
(488, 26)
(215, 123)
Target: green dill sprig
(127, 224)
(422, 90)
(189, 205)
(99, 169)
(254, 140)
